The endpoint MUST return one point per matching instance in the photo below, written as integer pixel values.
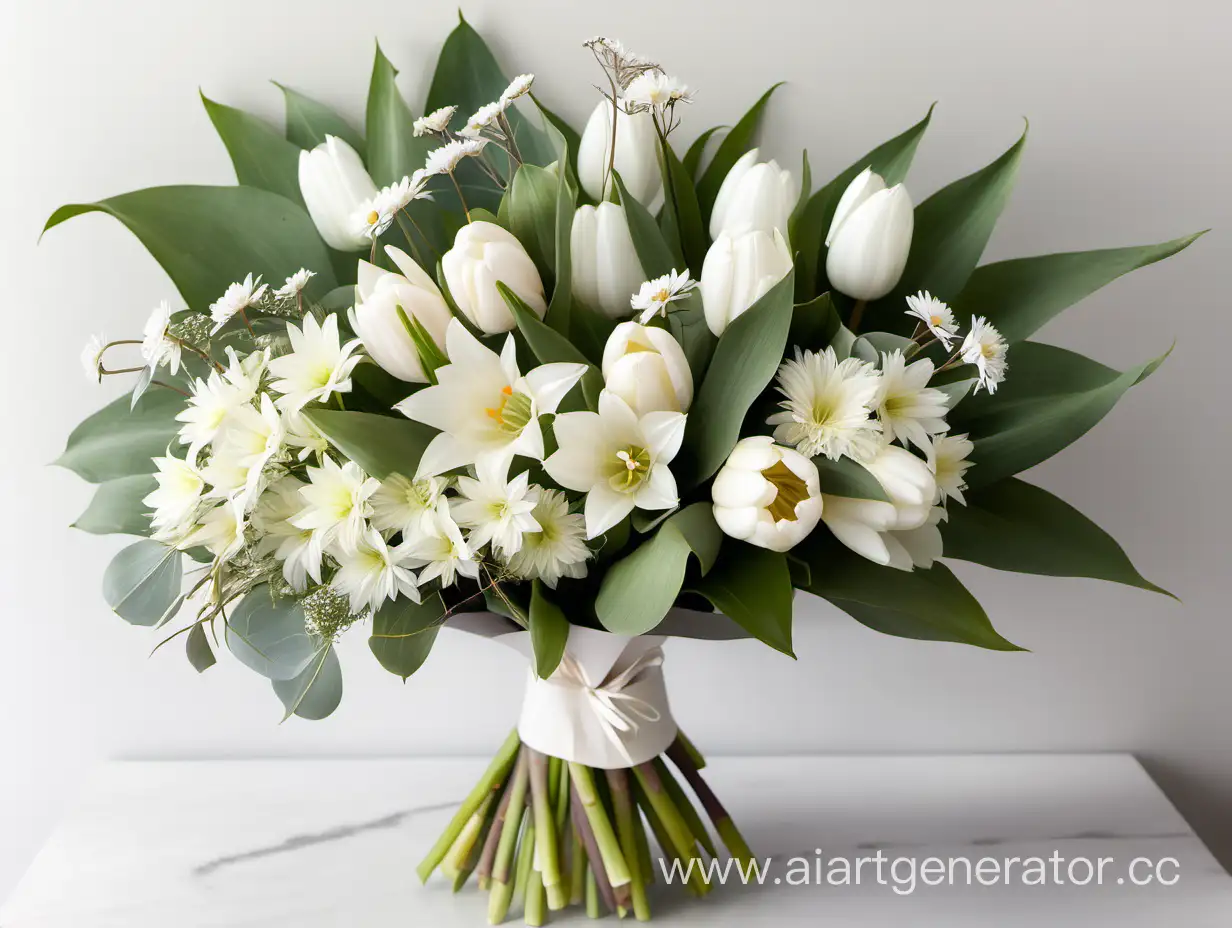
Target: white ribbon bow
(616, 710)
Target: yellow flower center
(934, 320)
(632, 466)
(512, 412)
(373, 217)
(662, 296)
(791, 492)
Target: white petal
(604, 508)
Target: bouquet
(577, 394)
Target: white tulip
(336, 188)
(379, 296)
(754, 196)
(646, 367)
(767, 494)
(738, 271)
(482, 255)
(637, 155)
(869, 238)
(605, 267)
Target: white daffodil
(445, 160)
(92, 356)
(177, 499)
(938, 317)
(373, 572)
(158, 346)
(497, 510)
(251, 438)
(435, 122)
(442, 553)
(558, 549)
(483, 405)
(653, 297)
(222, 531)
(986, 349)
(336, 503)
(948, 459)
(407, 506)
(519, 86)
(767, 494)
(295, 284)
(647, 368)
(237, 298)
(618, 460)
(317, 367)
(298, 549)
(909, 409)
(827, 405)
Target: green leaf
(549, 346)
(814, 324)
(891, 160)
(268, 635)
(734, 144)
(845, 477)
(207, 237)
(752, 587)
(261, 156)
(681, 219)
(1050, 399)
(688, 326)
(692, 159)
(317, 691)
(118, 442)
(116, 508)
(1013, 525)
(142, 582)
(1021, 295)
(652, 249)
(197, 647)
(403, 632)
(393, 150)
(639, 589)
(929, 605)
(381, 445)
(568, 135)
(532, 216)
(560, 307)
(745, 360)
(308, 122)
(549, 631)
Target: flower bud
(754, 196)
(484, 254)
(646, 367)
(738, 271)
(767, 494)
(869, 238)
(605, 267)
(336, 189)
(375, 319)
(637, 155)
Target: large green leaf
(652, 248)
(316, 692)
(142, 582)
(745, 360)
(116, 508)
(393, 150)
(560, 307)
(268, 635)
(261, 156)
(734, 144)
(814, 324)
(568, 135)
(403, 632)
(639, 589)
(381, 445)
(207, 237)
(681, 220)
(118, 442)
(1021, 295)
(550, 347)
(752, 586)
(309, 122)
(696, 151)
(532, 200)
(1013, 525)
(549, 631)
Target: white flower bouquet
(578, 394)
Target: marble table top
(334, 843)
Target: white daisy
(92, 356)
(318, 365)
(494, 508)
(827, 405)
(444, 160)
(407, 506)
(519, 86)
(435, 122)
(482, 118)
(938, 317)
(237, 298)
(654, 295)
(295, 284)
(336, 503)
(373, 572)
(654, 90)
(986, 349)
(948, 459)
(910, 410)
(379, 215)
(158, 347)
(177, 498)
(442, 553)
(298, 549)
(558, 549)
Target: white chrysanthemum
(482, 118)
(827, 405)
(654, 90)
(177, 498)
(444, 160)
(435, 122)
(938, 317)
(237, 298)
(518, 87)
(442, 553)
(215, 398)
(407, 506)
(654, 295)
(336, 503)
(295, 284)
(910, 410)
(92, 356)
(222, 531)
(986, 349)
(373, 572)
(158, 347)
(298, 549)
(318, 365)
(948, 459)
(558, 549)
(495, 509)
(250, 439)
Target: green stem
(686, 808)
(545, 824)
(492, 841)
(460, 851)
(605, 837)
(723, 824)
(676, 828)
(582, 827)
(535, 911)
(577, 869)
(695, 756)
(526, 861)
(622, 802)
(857, 314)
(661, 837)
(513, 821)
(592, 895)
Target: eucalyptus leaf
(198, 650)
(403, 632)
(380, 445)
(268, 635)
(549, 631)
(119, 442)
(116, 508)
(752, 586)
(738, 141)
(845, 477)
(142, 582)
(316, 692)
(309, 122)
(261, 156)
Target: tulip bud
(738, 271)
(869, 238)
(646, 367)
(754, 196)
(484, 254)
(767, 494)
(336, 188)
(637, 155)
(605, 266)
(375, 319)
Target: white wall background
(1130, 143)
